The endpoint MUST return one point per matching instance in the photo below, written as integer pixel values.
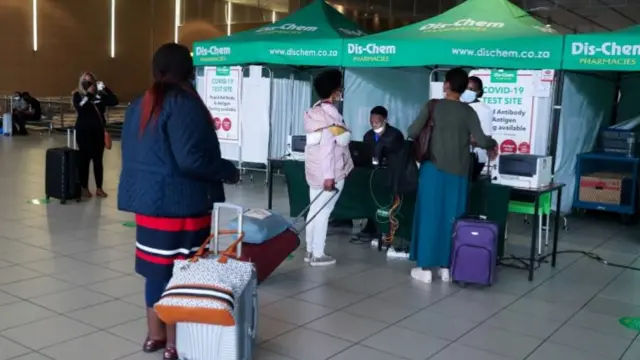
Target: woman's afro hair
(327, 82)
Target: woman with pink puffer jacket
(327, 162)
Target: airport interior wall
(75, 36)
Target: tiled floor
(68, 291)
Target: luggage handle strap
(230, 252)
(306, 209)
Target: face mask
(379, 130)
(86, 84)
(468, 96)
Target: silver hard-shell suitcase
(215, 342)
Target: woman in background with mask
(91, 99)
(471, 96)
(327, 162)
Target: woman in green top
(444, 177)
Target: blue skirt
(441, 200)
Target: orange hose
(394, 224)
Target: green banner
(478, 33)
(312, 36)
(617, 51)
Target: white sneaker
(307, 257)
(422, 275)
(324, 260)
(444, 274)
(394, 254)
(374, 243)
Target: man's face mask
(86, 84)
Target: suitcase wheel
(47, 197)
(462, 284)
(62, 202)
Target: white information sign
(510, 94)
(222, 89)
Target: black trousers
(89, 153)
(20, 122)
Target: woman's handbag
(107, 140)
(421, 145)
(205, 288)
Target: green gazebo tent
(478, 33)
(312, 36)
(603, 51)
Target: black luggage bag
(61, 172)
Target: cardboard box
(605, 188)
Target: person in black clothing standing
(91, 100)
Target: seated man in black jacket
(385, 140)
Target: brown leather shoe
(101, 193)
(151, 346)
(86, 193)
(170, 353)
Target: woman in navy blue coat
(172, 173)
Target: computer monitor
(298, 143)
(361, 154)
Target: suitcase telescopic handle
(71, 139)
(334, 192)
(215, 225)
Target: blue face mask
(468, 96)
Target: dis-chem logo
(289, 28)
(371, 49)
(212, 51)
(353, 33)
(466, 24)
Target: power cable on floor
(522, 263)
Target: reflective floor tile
(459, 352)
(295, 311)
(47, 332)
(405, 343)
(306, 344)
(500, 342)
(438, 325)
(346, 326)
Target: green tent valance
(478, 33)
(312, 36)
(611, 51)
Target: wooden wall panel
(74, 36)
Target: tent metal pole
(616, 100)
(555, 117)
(268, 179)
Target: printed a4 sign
(222, 97)
(510, 95)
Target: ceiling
(566, 16)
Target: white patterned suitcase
(214, 342)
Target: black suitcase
(61, 173)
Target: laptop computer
(361, 154)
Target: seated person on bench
(26, 108)
(384, 139)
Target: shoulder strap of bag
(431, 107)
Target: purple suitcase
(473, 257)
